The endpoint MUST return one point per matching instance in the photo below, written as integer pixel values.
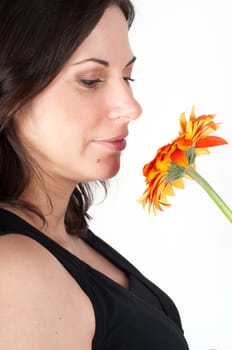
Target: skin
(70, 130)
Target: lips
(116, 144)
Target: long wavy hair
(37, 37)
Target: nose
(123, 104)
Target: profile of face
(76, 128)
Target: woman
(65, 106)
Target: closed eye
(128, 80)
(91, 83)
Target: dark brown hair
(37, 37)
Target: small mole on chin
(98, 160)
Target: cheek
(79, 111)
(64, 116)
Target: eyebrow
(103, 62)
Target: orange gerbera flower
(177, 159)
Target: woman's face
(76, 128)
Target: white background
(184, 57)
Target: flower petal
(210, 141)
(179, 183)
(179, 157)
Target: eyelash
(129, 80)
(92, 83)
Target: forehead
(109, 39)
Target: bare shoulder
(22, 258)
(40, 302)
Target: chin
(109, 170)
(110, 174)
(102, 168)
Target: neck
(52, 201)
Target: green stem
(215, 197)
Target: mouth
(116, 144)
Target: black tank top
(141, 317)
